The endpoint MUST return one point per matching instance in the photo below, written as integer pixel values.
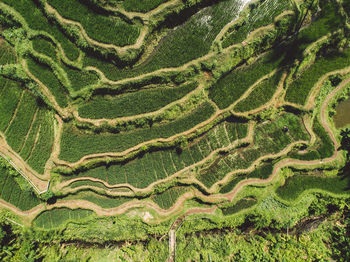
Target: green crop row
(141, 6)
(87, 183)
(101, 27)
(133, 103)
(43, 148)
(296, 185)
(75, 144)
(7, 55)
(45, 47)
(19, 127)
(186, 42)
(12, 192)
(32, 135)
(260, 14)
(168, 198)
(269, 138)
(9, 99)
(239, 206)
(262, 172)
(232, 85)
(299, 89)
(80, 79)
(48, 78)
(261, 94)
(36, 20)
(56, 217)
(100, 200)
(154, 166)
(327, 148)
(324, 146)
(22, 132)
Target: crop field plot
(118, 119)
(101, 27)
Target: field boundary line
(120, 50)
(23, 175)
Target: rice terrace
(174, 130)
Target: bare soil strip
(119, 50)
(39, 184)
(135, 203)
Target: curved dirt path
(120, 50)
(38, 182)
(46, 92)
(179, 203)
(149, 188)
(113, 121)
(293, 162)
(176, 208)
(278, 166)
(219, 113)
(145, 16)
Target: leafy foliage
(98, 26)
(133, 103)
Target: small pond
(342, 116)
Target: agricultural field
(127, 123)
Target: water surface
(342, 116)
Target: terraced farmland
(139, 114)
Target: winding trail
(74, 204)
(178, 207)
(120, 50)
(35, 180)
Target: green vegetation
(168, 198)
(45, 47)
(14, 189)
(162, 164)
(41, 151)
(48, 78)
(232, 85)
(144, 6)
(56, 217)
(239, 206)
(80, 78)
(133, 103)
(21, 122)
(269, 138)
(186, 42)
(322, 149)
(261, 94)
(260, 14)
(7, 55)
(37, 21)
(299, 90)
(168, 117)
(296, 185)
(98, 26)
(10, 98)
(75, 145)
(100, 200)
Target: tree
(345, 142)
